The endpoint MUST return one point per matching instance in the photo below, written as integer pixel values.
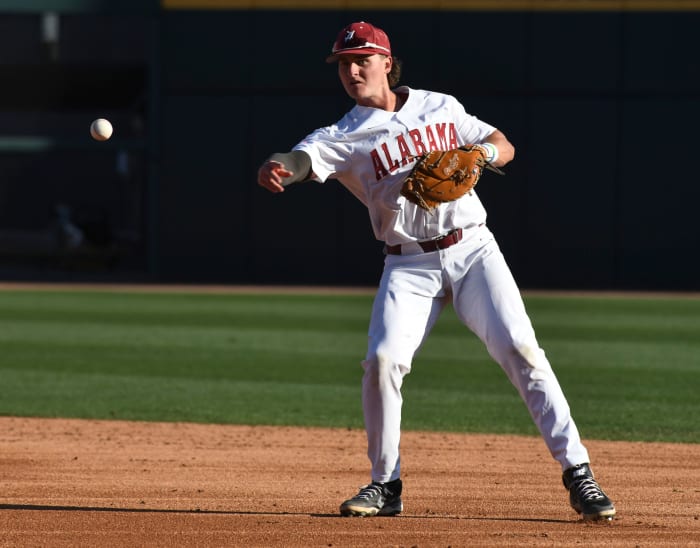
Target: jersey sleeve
(471, 129)
(329, 157)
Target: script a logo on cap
(349, 35)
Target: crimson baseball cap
(361, 39)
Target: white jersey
(370, 151)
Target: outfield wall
(601, 103)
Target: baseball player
(432, 257)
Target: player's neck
(391, 101)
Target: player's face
(364, 77)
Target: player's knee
(529, 352)
(381, 369)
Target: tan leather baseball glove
(443, 176)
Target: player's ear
(388, 62)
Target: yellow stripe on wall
(437, 5)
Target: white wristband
(492, 152)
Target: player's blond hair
(395, 73)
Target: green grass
(630, 367)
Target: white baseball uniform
(370, 151)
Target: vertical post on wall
(50, 32)
(618, 238)
(154, 150)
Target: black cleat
(375, 499)
(585, 495)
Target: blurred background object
(600, 99)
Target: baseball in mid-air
(101, 129)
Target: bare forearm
(506, 151)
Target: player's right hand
(271, 175)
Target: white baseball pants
(413, 291)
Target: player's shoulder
(428, 96)
(336, 132)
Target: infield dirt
(114, 483)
